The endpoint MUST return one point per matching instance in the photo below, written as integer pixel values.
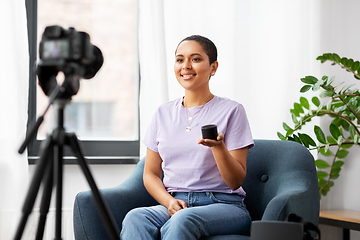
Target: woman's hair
(208, 46)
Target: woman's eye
(196, 59)
(179, 60)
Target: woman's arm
(154, 185)
(231, 164)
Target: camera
(69, 51)
(58, 44)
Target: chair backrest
(274, 169)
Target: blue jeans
(207, 214)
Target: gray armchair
(281, 179)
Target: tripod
(49, 170)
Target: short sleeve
(150, 138)
(238, 133)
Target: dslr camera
(69, 51)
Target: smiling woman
(194, 168)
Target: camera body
(59, 45)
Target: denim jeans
(207, 214)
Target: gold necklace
(191, 118)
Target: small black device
(209, 132)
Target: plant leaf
(336, 58)
(338, 164)
(329, 105)
(331, 140)
(304, 102)
(326, 94)
(352, 131)
(327, 146)
(293, 117)
(322, 183)
(298, 108)
(289, 132)
(315, 100)
(334, 174)
(297, 139)
(346, 146)
(282, 137)
(286, 127)
(326, 153)
(340, 109)
(295, 112)
(317, 85)
(355, 66)
(319, 134)
(344, 61)
(334, 130)
(356, 139)
(305, 88)
(322, 174)
(321, 164)
(309, 80)
(307, 140)
(340, 140)
(342, 153)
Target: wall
(338, 34)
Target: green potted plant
(342, 104)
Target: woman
(200, 194)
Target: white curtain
(264, 48)
(14, 62)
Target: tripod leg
(59, 139)
(58, 168)
(104, 212)
(46, 147)
(45, 201)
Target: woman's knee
(182, 223)
(133, 216)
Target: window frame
(96, 152)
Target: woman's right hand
(176, 205)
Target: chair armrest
(302, 201)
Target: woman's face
(192, 67)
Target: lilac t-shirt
(187, 165)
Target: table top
(342, 215)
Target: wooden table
(345, 219)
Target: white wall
(338, 34)
(106, 176)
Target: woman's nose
(187, 65)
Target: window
(104, 113)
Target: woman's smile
(187, 76)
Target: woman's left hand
(212, 143)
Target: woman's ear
(214, 67)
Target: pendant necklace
(190, 118)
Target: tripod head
(49, 84)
